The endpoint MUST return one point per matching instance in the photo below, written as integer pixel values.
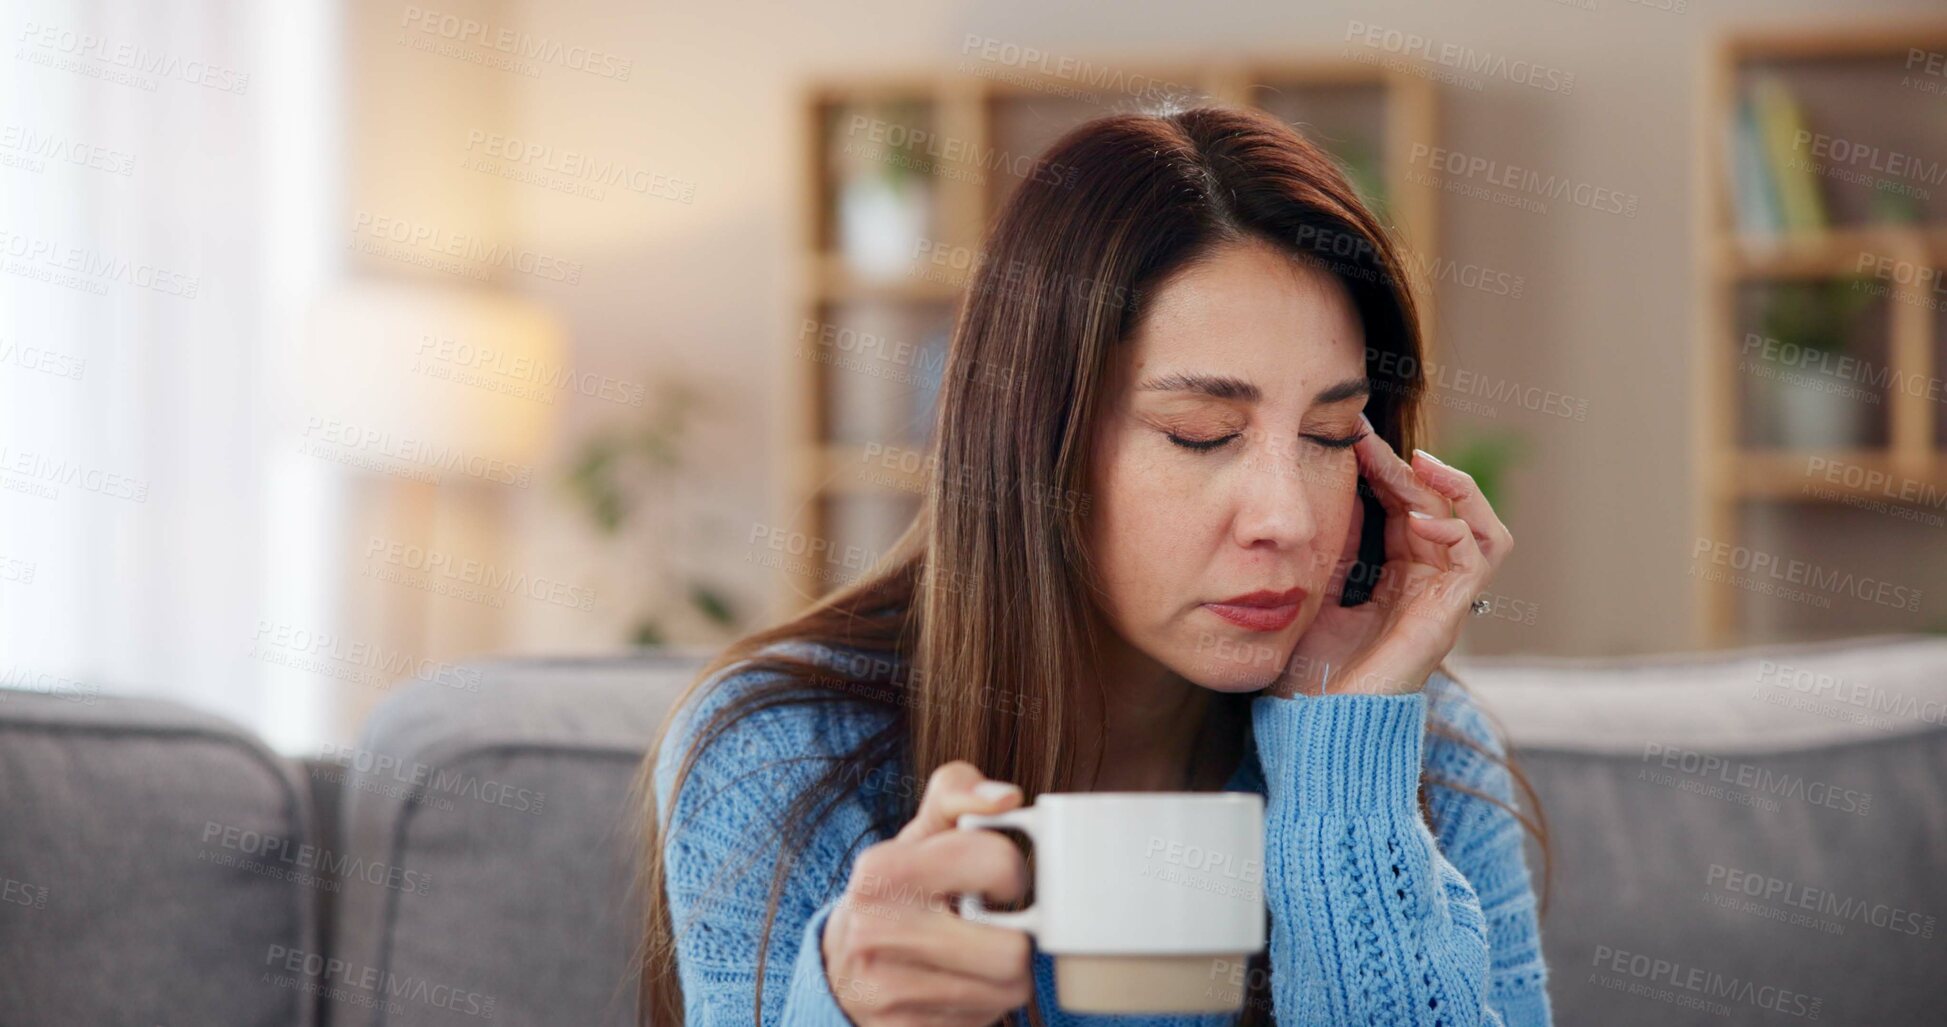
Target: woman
(1173, 549)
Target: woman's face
(1224, 482)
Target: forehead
(1251, 309)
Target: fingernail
(1365, 421)
(994, 791)
(1436, 460)
(1421, 515)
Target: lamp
(437, 400)
(421, 371)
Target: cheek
(1149, 515)
(1333, 494)
(1334, 490)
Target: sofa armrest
(152, 865)
(498, 804)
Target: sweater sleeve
(1485, 842)
(1371, 923)
(720, 854)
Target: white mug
(1149, 901)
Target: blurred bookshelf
(1823, 176)
(903, 174)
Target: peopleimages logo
(1704, 984)
(1460, 58)
(1464, 381)
(21, 571)
(1454, 163)
(576, 166)
(352, 984)
(1089, 78)
(515, 374)
(1822, 901)
(416, 236)
(1705, 768)
(422, 780)
(472, 571)
(1353, 255)
(37, 469)
(133, 58)
(1902, 272)
(20, 893)
(515, 43)
(1755, 562)
(40, 682)
(37, 146)
(301, 859)
(42, 360)
(1877, 159)
(421, 454)
(327, 653)
(90, 267)
(1869, 703)
(1191, 856)
(896, 136)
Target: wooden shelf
(842, 470)
(1911, 470)
(894, 87)
(1831, 254)
(1835, 40)
(831, 281)
(979, 107)
(1786, 474)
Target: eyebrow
(1226, 387)
(1347, 389)
(1218, 386)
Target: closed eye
(1336, 442)
(1202, 445)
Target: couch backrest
(157, 866)
(1672, 785)
(1736, 837)
(500, 807)
(1740, 837)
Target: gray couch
(1746, 837)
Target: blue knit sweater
(1374, 919)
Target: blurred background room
(348, 341)
(345, 344)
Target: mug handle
(1024, 820)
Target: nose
(1274, 509)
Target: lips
(1263, 610)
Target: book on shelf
(1751, 189)
(1774, 179)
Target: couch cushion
(150, 868)
(1739, 837)
(510, 804)
(503, 800)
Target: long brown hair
(985, 606)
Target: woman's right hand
(896, 950)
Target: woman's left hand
(1443, 543)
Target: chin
(1236, 664)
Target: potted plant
(624, 478)
(884, 184)
(1804, 404)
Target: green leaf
(1817, 316)
(713, 604)
(1487, 458)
